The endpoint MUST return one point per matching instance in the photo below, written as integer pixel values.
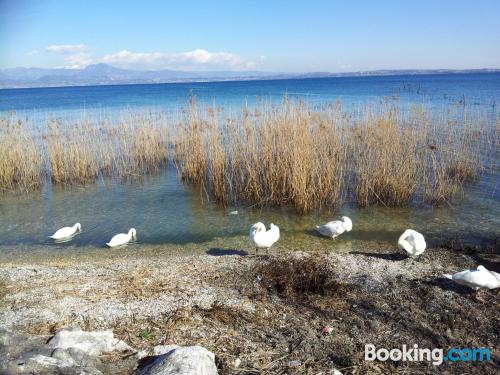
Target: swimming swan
(66, 232)
(263, 239)
(476, 279)
(335, 228)
(412, 242)
(122, 238)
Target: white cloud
(198, 59)
(77, 61)
(76, 56)
(65, 49)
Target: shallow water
(166, 212)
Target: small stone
(334, 371)
(237, 363)
(294, 363)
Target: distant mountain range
(102, 74)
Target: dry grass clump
(293, 155)
(141, 283)
(294, 277)
(21, 162)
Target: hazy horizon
(132, 69)
(288, 37)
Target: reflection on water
(164, 211)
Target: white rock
(49, 361)
(163, 349)
(334, 371)
(92, 343)
(182, 360)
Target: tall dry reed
(21, 162)
(82, 151)
(272, 155)
(292, 155)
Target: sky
(273, 36)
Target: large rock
(70, 352)
(181, 360)
(41, 364)
(93, 343)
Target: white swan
(412, 242)
(122, 238)
(263, 239)
(66, 232)
(476, 279)
(335, 228)
(496, 274)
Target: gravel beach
(255, 319)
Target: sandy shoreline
(214, 299)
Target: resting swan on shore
(122, 238)
(66, 232)
(263, 239)
(335, 228)
(412, 242)
(476, 279)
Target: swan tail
(448, 276)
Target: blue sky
(285, 36)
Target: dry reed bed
(285, 155)
(310, 159)
(80, 153)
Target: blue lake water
(164, 211)
(437, 91)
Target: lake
(165, 211)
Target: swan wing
(273, 234)
(496, 275)
(63, 233)
(119, 239)
(476, 279)
(412, 242)
(265, 239)
(419, 243)
(332, 228)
